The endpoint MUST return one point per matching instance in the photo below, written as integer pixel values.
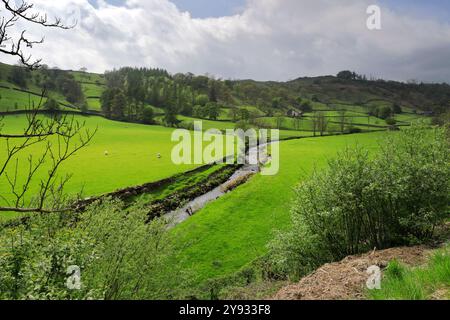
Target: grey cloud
(270, 39)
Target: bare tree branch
(11, 46)
(69, 136)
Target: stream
(255, 158)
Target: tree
(118, 105)
(72, 90)
(391, 121)
(349, 75)
(397, 196)
(322, 123)
(234, 113)
(342, 120)
(276, 103)
(170, 116)
(212, 94)
(51, 105)
(384, 112)
(202, 100)
(245, 114)
(213, 111)
(345, 75)
(13, 44)
(306, 106)
(147, 115)
(315, 123)
(396, 108)
(69, 135)
(18, 76)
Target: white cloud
(270, 39)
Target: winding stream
(255, 158)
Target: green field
(92, 90)
(132, 158)
(94, 104)
(234, 230)
(14, 100)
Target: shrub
(51, 105)
(120, 256)
(395, 197)
(352, 129)
(391, 121)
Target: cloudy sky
(258, 39)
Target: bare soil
(346, 280)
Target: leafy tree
(306, 106)
(391, 121)
(51, 105)
(396, 108)
(244, 114)
(398, 196)
(345, 75)
(234, 113)
(213, 111)
(170, 116)
(202, 100)
(148, 115)
(72, 90)
(384, 112)
(212, 94)
(118, 104)
(187, 110)
(276, 103)
(18, 76)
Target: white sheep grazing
(106, 153)
(158, 155)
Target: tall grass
(421, 283)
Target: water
(251, 167)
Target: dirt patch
(346, 280)
(441, 294)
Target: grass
(306, 123)
(94, 104)
(13, 100)
(179, 184)
(207, 124)
(92, 90)
(223, 125)
(132, 158)
(421, 283)
(234, 230)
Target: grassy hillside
(15, 97)
(132, 158)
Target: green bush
(51, 105)
(120, 256)
(395, 197)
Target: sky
(257, 39)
